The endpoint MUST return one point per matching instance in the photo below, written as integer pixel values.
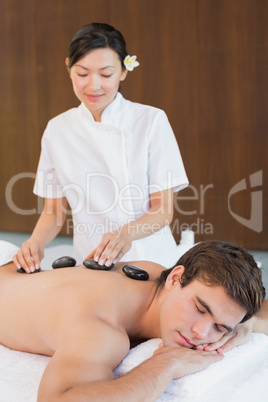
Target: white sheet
(7, 250)
(241, 376)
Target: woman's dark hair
(223, 264)
(96, 36)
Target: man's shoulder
(96, 340)
(152, 268)
(87, 353)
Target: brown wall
(205, 62)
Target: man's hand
(239, 335)
(185, 361)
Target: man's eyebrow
(206, 306)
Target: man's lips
(186, 342)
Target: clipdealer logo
(256, 210)
(255, 180)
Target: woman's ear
(174, 277)
(123, 75)
(67, 60)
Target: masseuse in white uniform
(116, 163)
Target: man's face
(196, 314)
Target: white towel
(241, 376)
(20, 375)
(7, 250)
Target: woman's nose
(94, 82)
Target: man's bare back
(83, 318)
(42, 306)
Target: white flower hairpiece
(130, 62)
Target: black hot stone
(64, 262)
(22, 271)
(91, 264)
(135, 273)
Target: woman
(115, 162)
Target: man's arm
(83, 367)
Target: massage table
(242, 376)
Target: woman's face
(96, 78)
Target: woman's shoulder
(141, 109)
(66, 116)
(143, 106)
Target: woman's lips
(186, 342)
(94, 97)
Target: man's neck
(148, 324)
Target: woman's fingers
(29, 256)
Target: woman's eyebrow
(85, 68)
(103, 68)
(79, 65)
(206, 306)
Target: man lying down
(86, 319)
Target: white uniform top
(108, 170)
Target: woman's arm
(47, 227)
(116, 244)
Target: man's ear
(174, 277)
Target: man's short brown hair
(216, 263)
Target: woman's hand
(29, 256)
(113, 246)
(239, 335)
(48, 226)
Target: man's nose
(201, 329)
